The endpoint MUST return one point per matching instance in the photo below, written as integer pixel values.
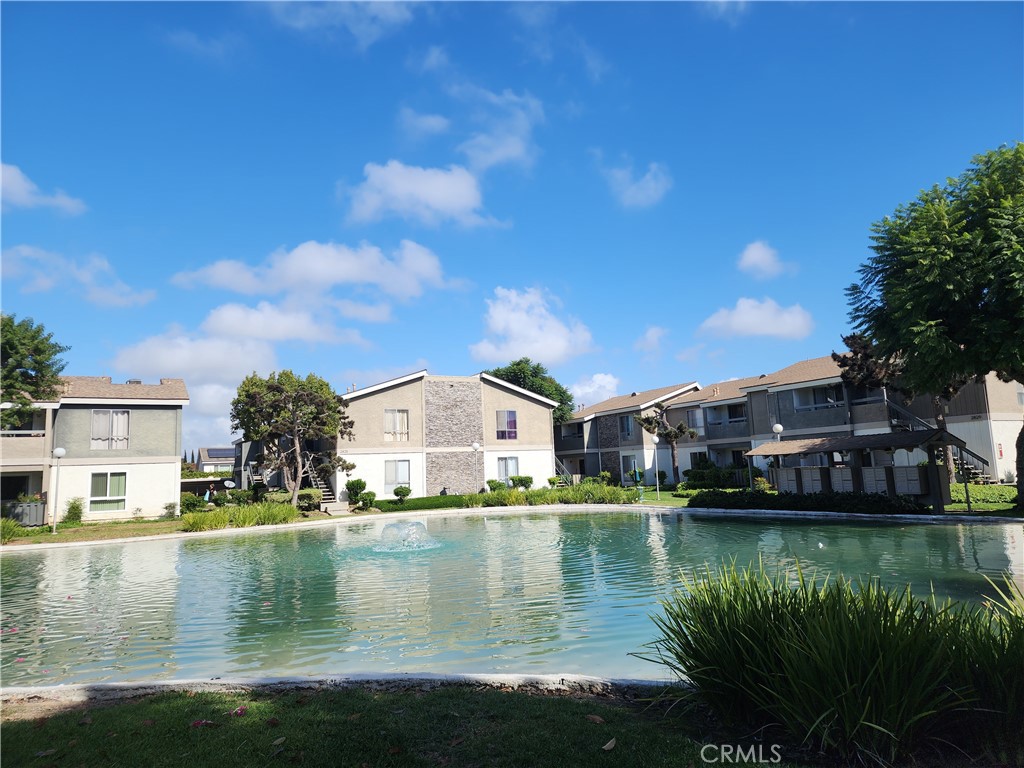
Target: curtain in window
(98, 487)
(118, 484)
(508, 466)
(396, 473)
(506, 425)
(100, 430)
(119, 430)
(396, 425)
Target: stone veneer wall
(453, 413)
(610, 463)
(607, 432)
(460, 472)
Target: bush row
(861, 503)
(985, 494)
(585, 493)
(263, 513)
(863, 673)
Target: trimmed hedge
(451, 501)
(860, 503)
(985, 494)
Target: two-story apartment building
(807, 399)
(121, 448)
(606, 437)
(433, 433)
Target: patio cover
(884, 441)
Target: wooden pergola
(931, 483)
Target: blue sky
(633, 194)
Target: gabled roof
(805, 371)
(719, 392)
(636, 401)
(92, 388)
(348, 396)
(212, 454)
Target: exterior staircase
(315, 481)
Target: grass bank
(443, 726)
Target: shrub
(450, 501)
(553, 481)
(355, 487)
(497, 485)
(241, 496)
(366, 499)
(219, 499)
(245, 517)
(761, 485)
(402, 492)
(506, 497)
(170, 511)
(204, 521)
(860, 503)
(984, 494)
(525, 482)
(861, 672)
(538, 496)
(10, 529)
(310, 500)
(606, 478)
(73, 511)
(191, 503)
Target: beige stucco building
(433, 433)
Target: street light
(476, 447)
(58, 454)
(777, 429)
(657, 480)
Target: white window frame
(504, 463)
(107, 502)
(393, 433)
(504, 432)
(392, 471)
(107, 440)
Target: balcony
(23, 445)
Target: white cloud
(761, 261)
(650, 342)
(434, 60)
(593, 61)
(93, 278)
(419, 126)
(370, 376)
(508, 120)
(197, 360)
(209, 47)
(367, 22)
(319, 267)
(594, 389)
(522, 325)
(18, 191)
(274, 323)
(638, 193)
(428, 195)
(689, 354)
(729, 11)
(368, 313)
(760, 318)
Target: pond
(529, 593)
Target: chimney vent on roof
(134, 381)
(633, 394)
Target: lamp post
(657, 480)
(476, 448)
(778, 429)
(58, 454)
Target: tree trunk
(297, 447)
(947, 451)
(675, 460)
(1020, 468)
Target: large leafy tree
(298, 422)
(535, 377)
(31, 368)
(941, 301)
(657, 423)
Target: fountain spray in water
(401, 537)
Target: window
(508, 466)
(693, 420)
(737, 413)
(396, 473)
(625, 426)
(507, 425)
(738, 459)
(714, 416)
(109, 431)
(108, 491)
(628, 465)
(572, 430)
(699, 459)
(396, 426)
(813, 398)
(861, 394)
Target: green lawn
(446, 726)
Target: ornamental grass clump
(205, 521)
(10, 529)
(855, 670)
(244, 517)
(274, 513)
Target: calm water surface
(533, 593)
